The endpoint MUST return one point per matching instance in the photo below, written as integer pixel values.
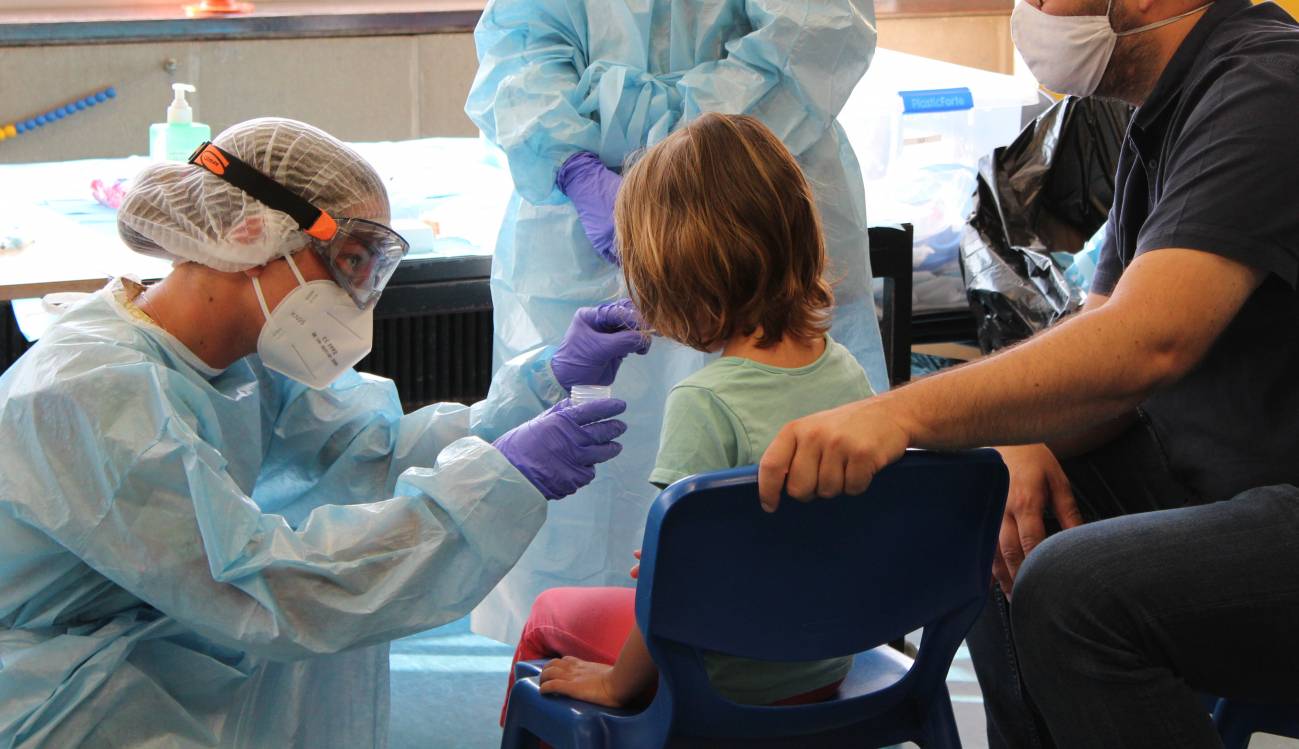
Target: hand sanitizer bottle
(180, 135)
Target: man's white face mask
(1069, 54)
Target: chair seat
(871, 671)
(561, 716)
(559, 721)
(531, 670)
(874, 670)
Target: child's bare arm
(634, 673)
(629, 681)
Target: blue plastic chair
(1238, 721)
(810, 581)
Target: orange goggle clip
(315, 222)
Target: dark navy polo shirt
(1211, 163)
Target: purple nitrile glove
(558, 450)
(597, 341)
(592, 187)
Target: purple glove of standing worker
(596, 343)
(592, 187)
(558, 450)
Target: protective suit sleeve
(147, 502)
(522, 388)
(526, 97)
(794, 71)
(350, 441)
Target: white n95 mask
(1069, 54)
(315, 334)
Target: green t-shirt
(724, 416)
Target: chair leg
(1235, 737)
(515, 736)
(1234, 728)
(940, 724)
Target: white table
(459, 184)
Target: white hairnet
(183, 212)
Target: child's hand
(635, 568)
(581, 680)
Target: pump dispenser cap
(180, 113)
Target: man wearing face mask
(210, 525)
(1171, 400)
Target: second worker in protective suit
(569, 89)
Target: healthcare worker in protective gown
(562, 80)
(210, 525)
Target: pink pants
(587, 623)
(592, 624)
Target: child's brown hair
(719, 236)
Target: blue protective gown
(613, 76)
(201, 558)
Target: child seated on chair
(722, 250)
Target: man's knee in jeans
(1040, 600)
(1065, 607)
(1077, 604)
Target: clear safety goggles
(362, 255)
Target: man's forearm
(1090, 370)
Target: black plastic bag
(1049, 191)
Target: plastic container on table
(919, 127)
(912, 112)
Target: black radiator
(12, 342)
(433, 331)
(436, 357)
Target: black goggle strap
(315, 222)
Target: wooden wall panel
(977, 41)
(365, 88)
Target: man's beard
(1130, 75)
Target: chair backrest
(815, 580)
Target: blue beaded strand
(20, 127)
